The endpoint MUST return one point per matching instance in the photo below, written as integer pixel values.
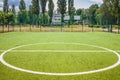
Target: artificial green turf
(61, 62)
(58, 46)
(13, 39)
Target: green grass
(61, 62)
(58, 46)
(65, 62)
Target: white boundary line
(60, 51)
(60, 74)
(57, 51)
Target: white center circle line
(60, 74)
(59, 51)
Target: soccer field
(59, 56)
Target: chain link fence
(24, 22)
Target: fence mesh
(27, 22)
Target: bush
(95, 26)
(76, 23)
(103, 27)
(90, 25)
(116, 26)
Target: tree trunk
(118, 22)
(13, 27)
(20, 27)
(3, 28)
(82, 26)
(111, 25)
(62, 18)
(44, 18)
(8, 28)
(107, 25)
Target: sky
(77, 3)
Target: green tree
(115, 8)
(30, 15)
(71, 10)
(70, 7)
(92, 10)
(5, 6)
(62, 7)
(51, 8)
(85, 15)
(100, 17)
(13, 9)
(79, 11)
(22, 5)
(22, 17)
(35, 7)
(8, 19)
(107, 9)
(43, 5)
(104, 9)
(2, 18)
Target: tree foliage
(35, 7)
(6, 18)
(51, 8)
(92, 10)
(71, 8)
(79, 11)
(107, 13)
(43, 5)
(13, 9)
(5, 6)
(22, 5)
(22, 17)
(62, 7)
(1, 17)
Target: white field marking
(101, 51)
(60, 74)
(57, 51)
